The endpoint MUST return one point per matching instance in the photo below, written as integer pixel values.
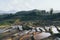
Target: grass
(1, 36)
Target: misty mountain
(30, 16)
(56, 11)
(7, 12)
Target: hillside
(30, 16)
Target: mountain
(31, 15)
(56, 11)
(7, 12)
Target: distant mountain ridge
(7, 12)
(56, 11)
(14, 11)
(30, 16)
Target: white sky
(29, 4)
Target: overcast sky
(29, 4)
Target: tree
(51, 11)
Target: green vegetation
(33, 15)
(1, 36)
